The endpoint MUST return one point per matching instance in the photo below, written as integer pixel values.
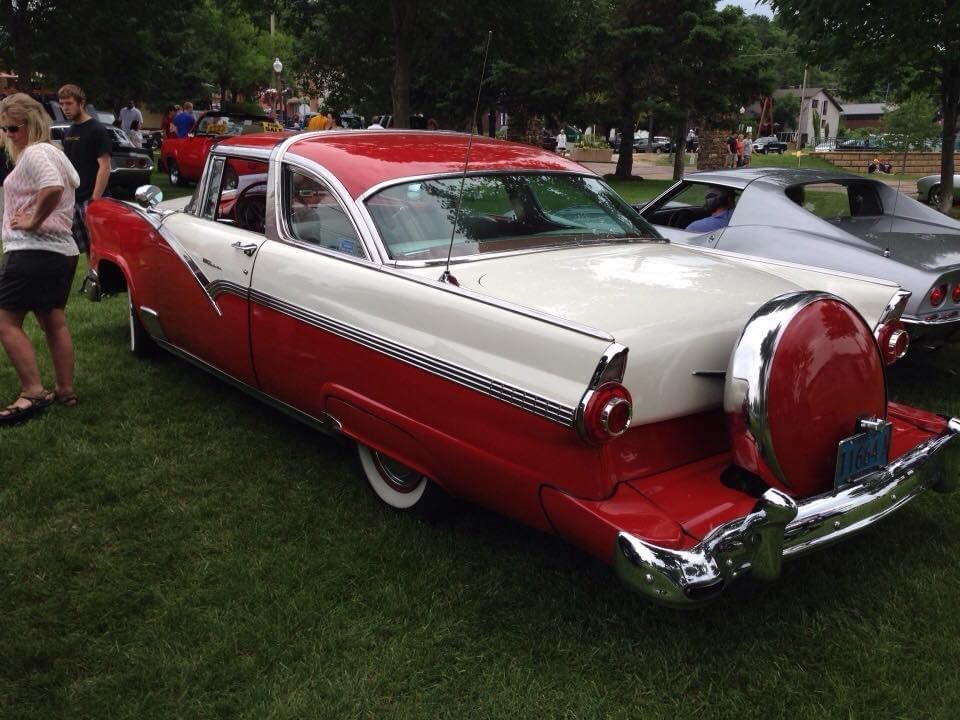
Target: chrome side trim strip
(326, 424)
(221, 287)
(531, 402)
(780, 528)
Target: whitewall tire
(398, 486)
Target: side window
(315, 217)
(834, 201)
(693, 194)
(236, 193)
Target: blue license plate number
(861, 453)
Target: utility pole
(803, 90)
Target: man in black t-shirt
(87, 144)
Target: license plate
(861, 453)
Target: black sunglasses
(10, 128)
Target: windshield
(226, 125)
(500, 213)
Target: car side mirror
(148, 196)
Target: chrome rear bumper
(780, 527)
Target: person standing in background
(747, 150)
(39, 255)
(136, 137)
(167, 128)
(184, 121)
(561, 142)
(128, 115)
(87, 144)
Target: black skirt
(35, 280)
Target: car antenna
(447, 277)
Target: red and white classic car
(516, 335)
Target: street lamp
(278, 69)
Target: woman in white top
(39, 254)
(135, 134)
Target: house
(819, 113)
(861, 115)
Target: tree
(911, 125)
(909, 41)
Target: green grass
(173, 549)
(636, 191)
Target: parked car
(130, 167)
(653, 145)
(930, 191)
(832, 220)
(769, 144)
(518, 336)
(860, 144)
(183, 158)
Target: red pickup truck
(183, 158)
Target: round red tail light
(142, 162)
(130, 162)
(956, 293)
(938, 294)
(607, 413)
(893, 340)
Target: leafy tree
(911, 125)
(786, 110)
(910, 42)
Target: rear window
(832, 201)
(499, 213)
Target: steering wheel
(250, 208)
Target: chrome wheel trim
(173, 172)
(935, 196)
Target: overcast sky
(749, 6)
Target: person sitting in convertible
(718, 201)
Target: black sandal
(14, 414)
(69, 399)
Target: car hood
(679, 311)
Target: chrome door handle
(247, 249)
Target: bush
(593, 142)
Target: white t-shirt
(40, 166)
(562, 141)
(127, 116)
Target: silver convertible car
(827, 219)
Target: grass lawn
(635, 191)
(173, 549)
